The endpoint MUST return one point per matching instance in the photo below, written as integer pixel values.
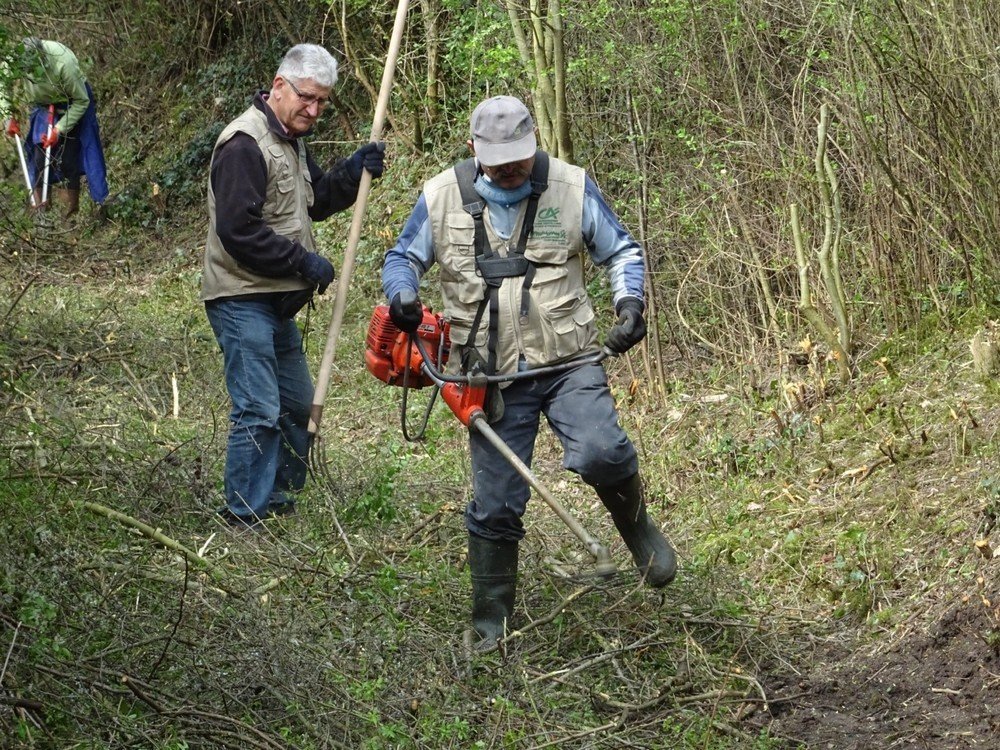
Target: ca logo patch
(548, 227)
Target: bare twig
(580, 735)
(20, 294)
(551, 615)
(177, 622)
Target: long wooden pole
(323, 379)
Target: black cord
(406, 387)
(479, 380)
(475, 380)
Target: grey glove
(630, 328)
(316, 269)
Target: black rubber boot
(493, 565)
(653, 555)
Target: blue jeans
(268, 381)
(581, 411)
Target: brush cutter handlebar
(417, 360)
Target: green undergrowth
(342, 626)
(847, 502)
(814, 519)
(803, 509)
(800, 507)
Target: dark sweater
(239, 181)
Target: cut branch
(149, 531)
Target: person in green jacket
(54, 83)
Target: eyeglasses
(308, 99)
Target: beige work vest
(560, 321)
(286, 210)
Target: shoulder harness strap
(495, 269)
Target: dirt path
(937, 691)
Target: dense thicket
(698, 118)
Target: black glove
(630, 328)
(406, 311)
(371, 156)
(317, 269)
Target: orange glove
(50, 139)
(11, 127)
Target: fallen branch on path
(147, 530)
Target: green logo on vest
(554, 235)
(547, 226)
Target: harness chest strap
(493, 268)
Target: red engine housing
(386, 348)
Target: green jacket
(57, 79)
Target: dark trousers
(65, 163)
(580, 409)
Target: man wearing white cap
(510, 229)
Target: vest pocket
(461, 233)
(280, 213)
(458, 263)
(544, 254)
(566, 324)
(461, 326)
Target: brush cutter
(416, 361)
(14, 131)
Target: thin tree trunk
(559, 77)
(431, 11)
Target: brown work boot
(69, 199)
(72, 204)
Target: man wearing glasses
(261, 267)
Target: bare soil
(939, 689)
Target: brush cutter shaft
(598, 550)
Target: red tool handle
(464, 400)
